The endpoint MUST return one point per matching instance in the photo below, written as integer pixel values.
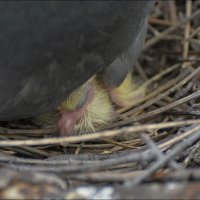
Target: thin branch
(159, 37)
(166, 93)
(187, 29)
(162, 161)
(98, 135)
(157, 151)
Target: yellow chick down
(98, 112)
(128, 93)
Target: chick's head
(86, 110)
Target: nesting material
(165, 121)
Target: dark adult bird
(54, 50)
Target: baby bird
(128, 93)
(86, 110)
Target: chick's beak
(66, 122)
(73, 108)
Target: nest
(160, 133)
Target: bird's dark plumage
(49, 48)
(116, 72)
